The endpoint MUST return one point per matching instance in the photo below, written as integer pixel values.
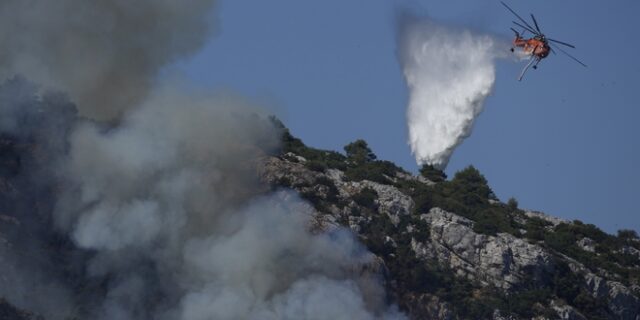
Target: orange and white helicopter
(537, 47)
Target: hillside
(453, 250)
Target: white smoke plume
(104, 53)
(449, 73)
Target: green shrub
(512, 204)
(421, 231)
(376, 171)
(366, 198)
(423, 202)
(283, 182)
(317, 159)
(359, 153)
(471, 181)
(432, 174)
(626, 234)
(566, 284)
(332, 190)
(500, 218)
(466, 194)
(316, 165)
(608, 247)
(535, 228)
(315, 200)
(523, 303)
(376, 231)
(485, 227)
(480, 308)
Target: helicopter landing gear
(531, 61)
(535, 66)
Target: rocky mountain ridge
(442, 264)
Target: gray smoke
(171, 189)
(158, 214)
(166, 219)
(28, 273)
(104, 53)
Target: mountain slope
(453, 251)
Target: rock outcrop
(502, 261)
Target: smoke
(165, 219)
(449, 73)
(142, 200)
(104, 53)
(27, 276)
(172, 189)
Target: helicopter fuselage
(533, 46)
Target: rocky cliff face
(442, 264)
(502, 261)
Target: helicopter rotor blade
(526, 28)
(562, 43)
(570, 56)
(523, 21)
(536, 23)
(552, 51)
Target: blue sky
(563, 141)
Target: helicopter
(538, 46)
